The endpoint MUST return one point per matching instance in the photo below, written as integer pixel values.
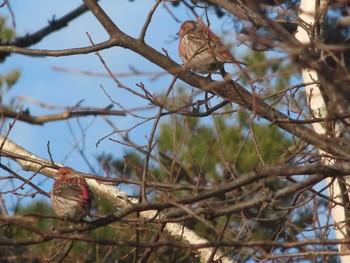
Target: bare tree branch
(74, 112)
(54, 25)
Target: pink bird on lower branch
(70, 195)
(201, 50)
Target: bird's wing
(73, 189)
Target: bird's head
(65, 172)
(187, 27)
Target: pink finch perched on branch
(70, 195)
(201, 50)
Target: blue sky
(40, 82)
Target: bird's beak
(178, 33)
